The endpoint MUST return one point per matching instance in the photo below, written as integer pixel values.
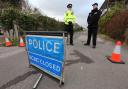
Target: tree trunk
(15, 26)
(7, 33)
(16, 31)
(11, 34)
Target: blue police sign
(46, 53)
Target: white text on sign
(45, 45)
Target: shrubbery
(114, 10)
(28, 21)
(115, 22)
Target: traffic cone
(116, 55)
(7, 42)
(21, 44)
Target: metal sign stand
(38, 80)
(62, 80)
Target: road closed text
(45, 63)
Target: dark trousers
(92, 33)
(69, 30)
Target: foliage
(112, 24)
(15, 42)
(14, 3)
(116, 28)
(8, 17)
(109, 15)
(27, 22)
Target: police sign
(46, 53)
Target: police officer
(69, 20)
(92, 21)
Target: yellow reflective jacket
(69, 17)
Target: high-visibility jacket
(69, 17)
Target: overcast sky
(56, 8)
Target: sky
(57, 8)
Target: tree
(9, 18)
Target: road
(85, 68)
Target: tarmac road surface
(85, 68)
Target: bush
(15, 42)
(112, 24)
(117, 26)
(108, 16)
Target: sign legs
(37, 82)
